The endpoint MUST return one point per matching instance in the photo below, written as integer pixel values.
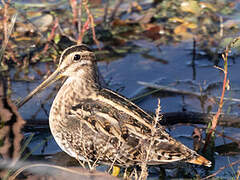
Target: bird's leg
(115, 170)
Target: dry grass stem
(14, 176)
(81, 163)
(179, 91)
(135, 173)
(91, 20)
(88, 161)
(238, 174)
(73, 4)
(51, 36)
(7, 35)
(95, 162)
(221, 26)
(114, 12)
(79, 17)
(5, 21)
(105, 12)
(144, 170)
(111, 167)
(221, 169)
(65, 34)
(214, 121)
(81, 134)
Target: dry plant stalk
(62, 169)
(111, 167)
(105, 12)
(51, 36)
(114, 12)
(238, 174)
(10, 132)
(77, 14)
(225, 86)
(89, 21)
(5, 20)
(214, 121)
(221, 169)
(73, 4)
(7, 29)
(83, 30)
(158, 116)
(79, 24)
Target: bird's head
(77, 61)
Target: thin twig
(5, 20)
(158, 117)
(214, 121)
(73, 4)
(65, 34)
(79, 17)
(83, 30)
(51, 36)
(106, 12)
(91, 20)
(221, 169)
(7, 35)
(238, 174)
(14, 176)
(114, 12)
(175, 90)
(81, 163)
(25, 17)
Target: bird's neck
(74, 89)
(80, 86)
(83, 85)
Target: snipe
(92, 122)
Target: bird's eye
(77, 57)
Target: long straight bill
(51, 79)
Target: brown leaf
(153, 31)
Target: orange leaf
(180, 29)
